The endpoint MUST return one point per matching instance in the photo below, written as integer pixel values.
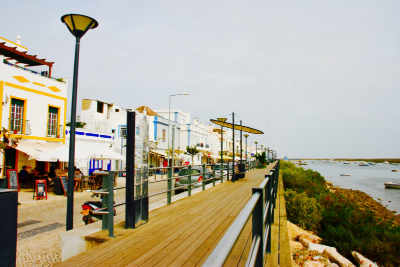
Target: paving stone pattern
(39, 230)
(41, 221)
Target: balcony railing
(25, 128)
(43, 73)
(59, 132)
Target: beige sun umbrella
(148, 110)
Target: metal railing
(208, 172)
(260, 208)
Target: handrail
(225, 245)
(261, 208)
(142, 181)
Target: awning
(237, 127)
(37, 149)
(84, 150)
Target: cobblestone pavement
(41, 221)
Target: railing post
(104, 202)
(258, 225)
(275, 184)
(203, 182)
(190, 180)
(213, 174)
(110, 203)
(227, 171)
(145, 195)
(169, 185)
(270, 215)
(271, 192)
(221, 172)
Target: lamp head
(222, 119)
(78, 25)
(246, 135)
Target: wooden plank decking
(181, 234)
(280, 248)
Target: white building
(102, 118)
(33, 104)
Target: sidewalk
(40, 222)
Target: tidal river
(368, 179)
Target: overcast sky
(320, 78)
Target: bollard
(8, 229)
(190, 181)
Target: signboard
(64, 184)
(40, 189)
(12, 179)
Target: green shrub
(340, 222)
(300, 180)
(303, 210)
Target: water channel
(369, 179)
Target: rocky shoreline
(305, 245)
(307, 251)
(366, 202)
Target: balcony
(43, 73)
(56, 133)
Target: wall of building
(39, 93)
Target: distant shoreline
(375, 160)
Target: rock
(317, 247)
(304, 241)
(363, 261)
(313, 264)
(311, 246)
(295, 246)
(295, 232)
(334, 256)
(310, 237)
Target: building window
(164, 134)
(123, 132)
(100, 107)
(17, 116)
(52, 122)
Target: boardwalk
(182, 234)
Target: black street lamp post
(222, 139)
(78, 25)
(245, 136)
(241, 149)
(233, 147)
